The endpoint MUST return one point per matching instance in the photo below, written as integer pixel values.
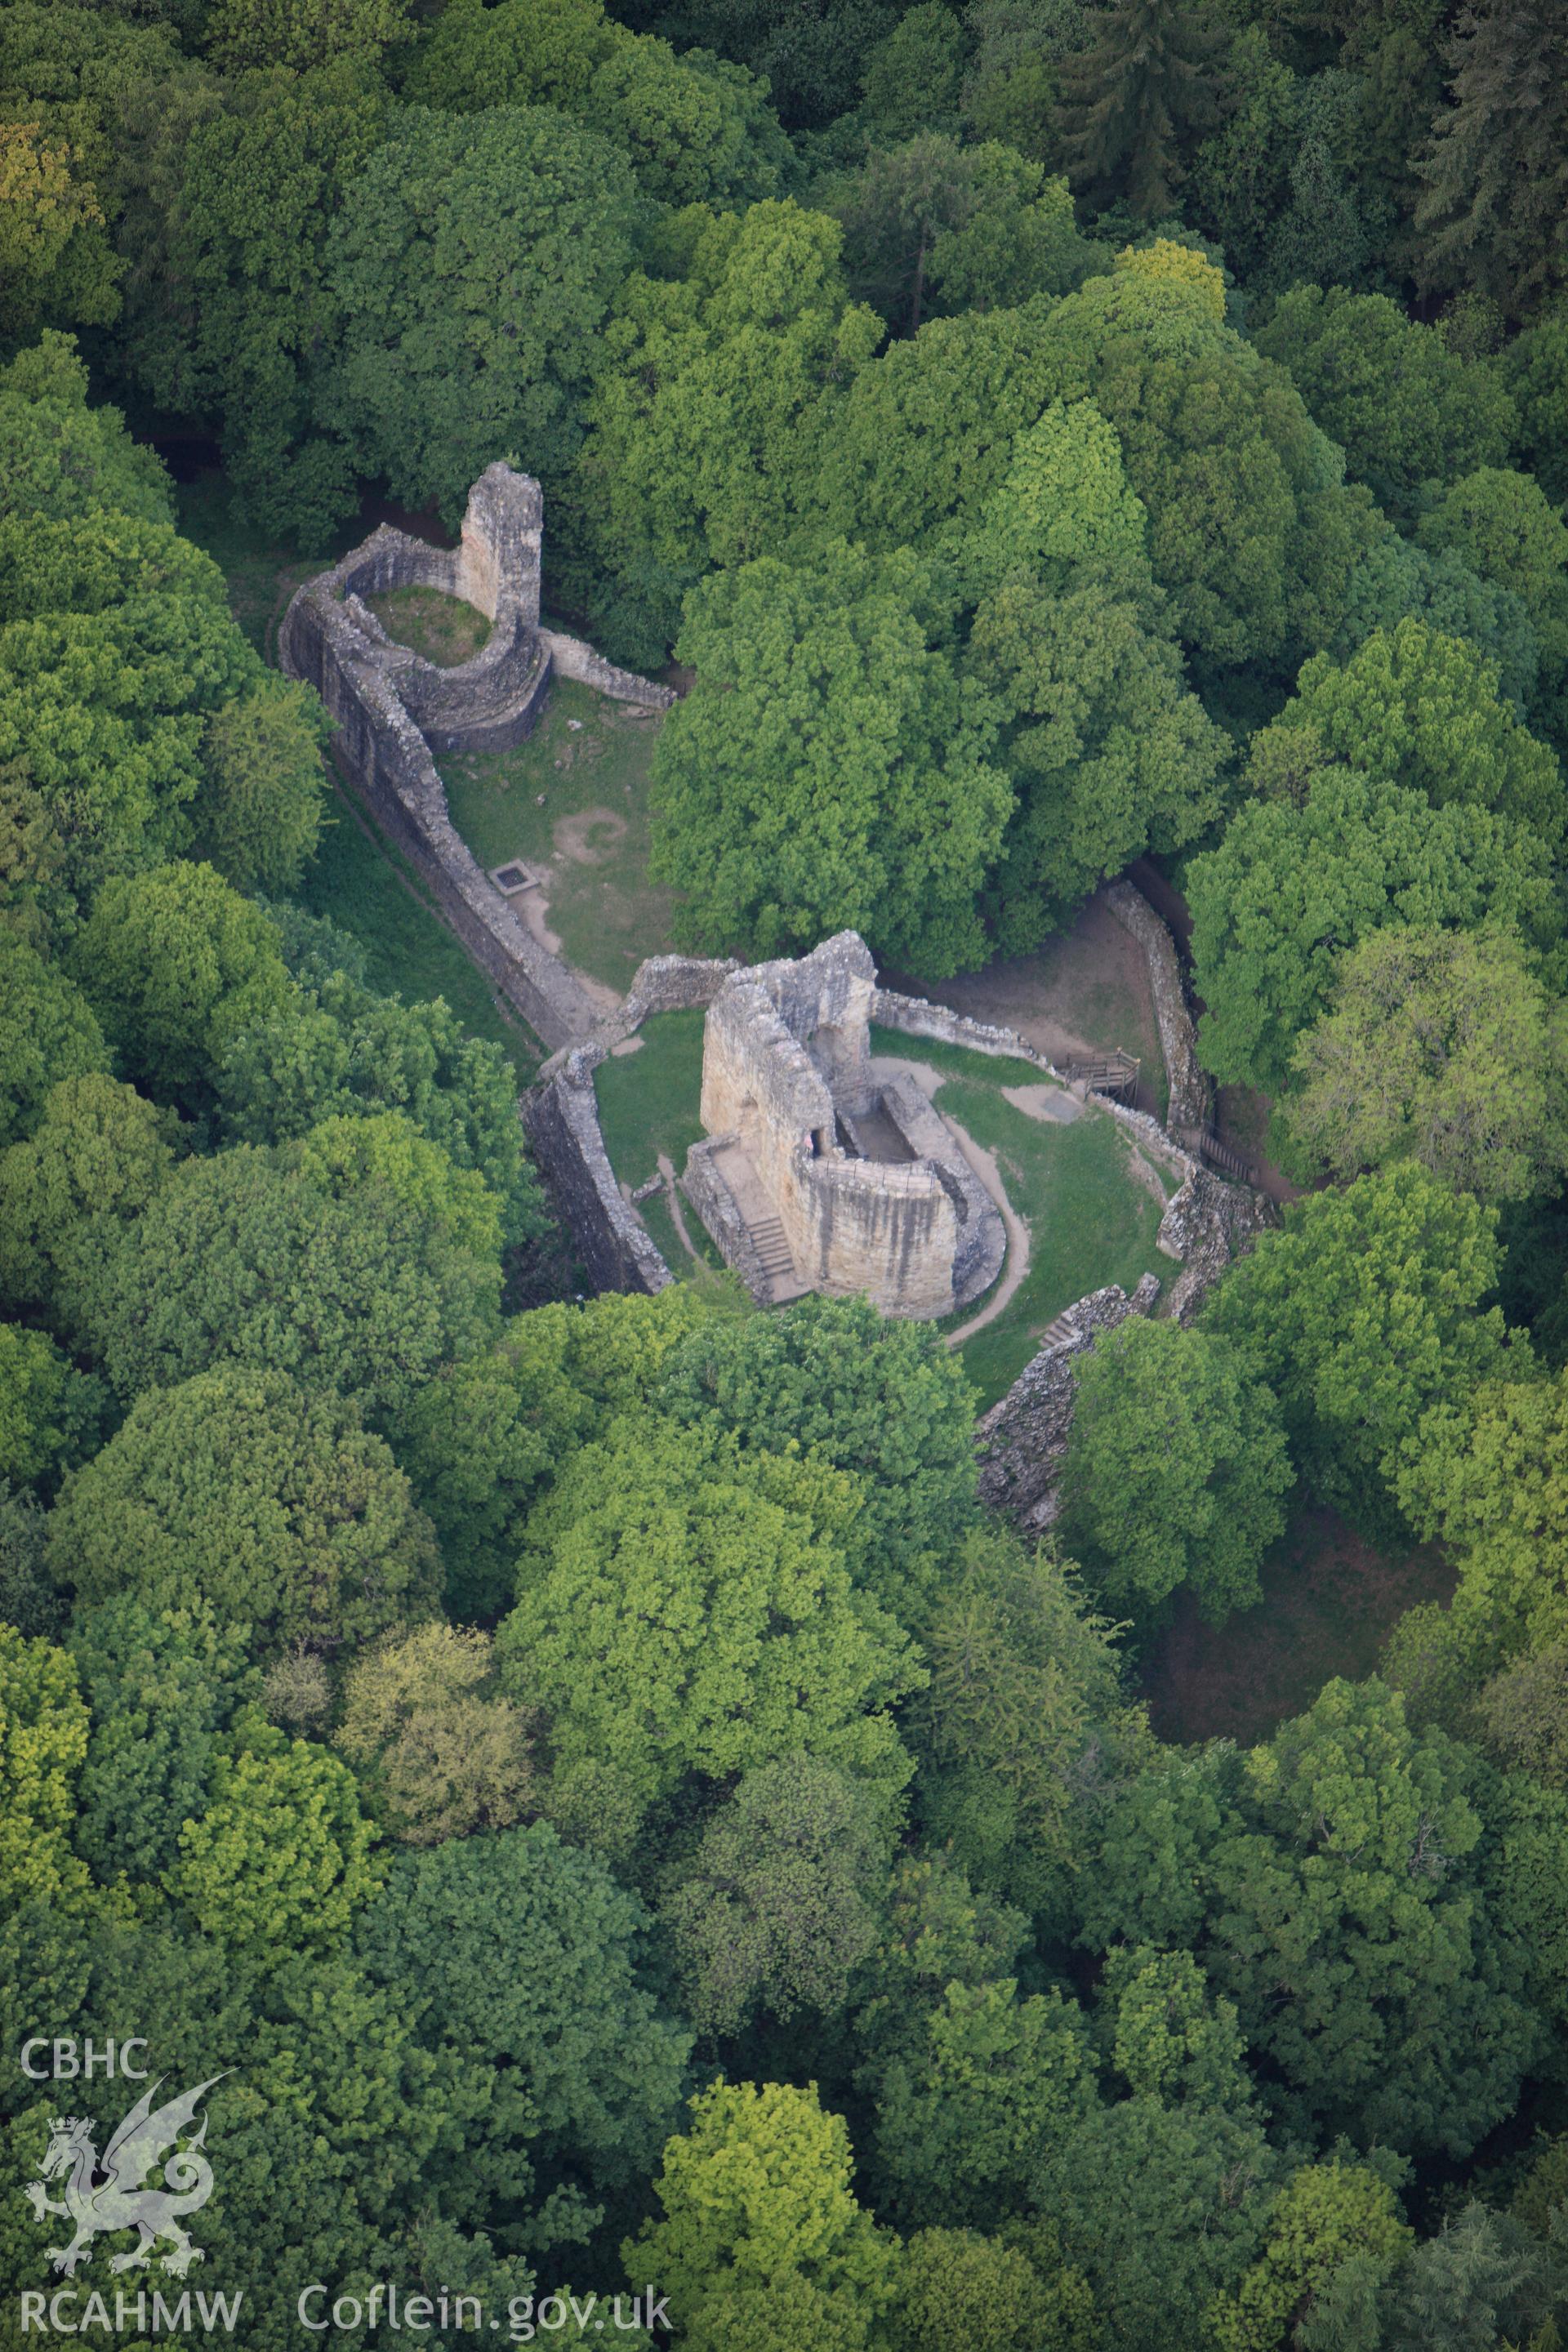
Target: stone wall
(561, 1115)
(392, 709)
(573, 657)
(1022, 1441)
(1190, 1090)
(561, 1118)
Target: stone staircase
(773, 1252)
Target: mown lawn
(573, 802)
(647, 1100)
(1092, 1219)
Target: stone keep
(807, 1138)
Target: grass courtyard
(572, 803)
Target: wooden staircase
(1112, 1074)
(1218, 1153)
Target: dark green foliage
(471, 267)
(885, 1402)
(517, 1957)
(47, 1034)
(1135, 98)
(347, 1279)
(162, 1683)
(1177, 1472)
(270, 1506)
(1491, 211)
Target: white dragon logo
(118, 2202)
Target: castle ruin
(819, 1171)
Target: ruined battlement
(821, 1173)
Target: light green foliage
(1176, 1470)
(162, 1683)
(1161, 2207)
(333, 1048)
(1504, 527)
(1135, 96)
(47, 1033)
(698, 130)
(98, 1151)
(386, 1154)
(1490, 1476)
(1363, 1967)
(715, 411)
(974, 2106)
(1442, 1047)
(1171, 2039)
(685, 1607)
(56, 260)
(88, 562)
(1326, 2214)
(987, 2297)
(926, 432)
(281, 1859)
(912, 78)
(51, 1414)
(883, 1401)
(1392, 580)
(488, 341)
(271, 1506)
(1022, 1680)
(829, 771)
(1251, 528)
(58, 457)
(1406, 409)
(1296, 881)
(931, 226)
(321, 1270)
(1363, 1313)
(757, 2203)
(776, 1909)
(1108, 752)
(444, 1752)
(519, 1957)
(258, 815)
(255, 180)
(179, 965)
(1416, 708)
(43, 1740)
(303, 33)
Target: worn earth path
(984, 1163)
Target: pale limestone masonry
(818, 1172)
(394, 710)
(1023, 1440)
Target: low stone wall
(918, 1018)
(573, 658)
(704, 1186)
(1191, 1089)
(1022, 1441)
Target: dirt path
(677, 1214)
(984, 1163)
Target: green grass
(656, 1215)
(649, 1100)
(520, 804)
(1090, 1221)
(956, 1061)
(364, 887)
(444, 629)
